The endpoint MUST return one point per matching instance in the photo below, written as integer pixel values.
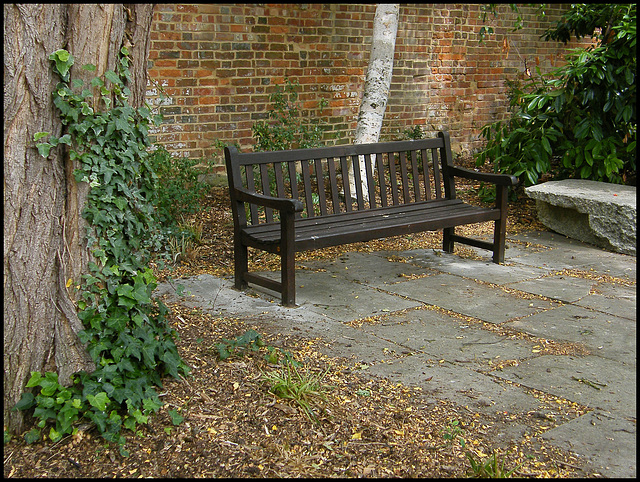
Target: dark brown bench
(291, 201)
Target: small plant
(179, 193)
(452, 432)
(242, 344)
(286, 127)
(414, 133)
(490, 467)
(182, 247)
(303, 388)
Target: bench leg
(447, 239)
(499, 235)
(241, 264)
(288, 261)
(500, 225)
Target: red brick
(212, 55)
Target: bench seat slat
(331, 230)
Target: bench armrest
(278, 203)
(498, 179)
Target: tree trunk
(377, 84)
(45, 252)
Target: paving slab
(565, 253)
(591, 381)
(561, 288)
(615, 300)
(606, 335)
(470, 268)
(456, 382)
(443, 337)
(469, 298)
(325, 293)
(373, 269)
(606, 443)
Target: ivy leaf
(112, 77)
(121, 203)
(32, 436)
(44, 149)
(151, 405)
(98, 401)
(35, 379)
(176, 418)
(26, 402)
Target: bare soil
(234, 426)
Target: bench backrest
(396, 173)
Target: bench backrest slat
(251, 186)
(394, 173)
(322, 196)
(436, 175)
(333, 182)
(416, 175)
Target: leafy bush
(286, 127)
(178, 191)
(580, 120)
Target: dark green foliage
(579, 121)
(287, 128)
(248, 341)
(179, 193)
(126, 332)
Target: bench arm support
(497, 179)
(280, 204)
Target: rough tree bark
(44, 242)
(377, 83)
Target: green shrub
(580, 120)
(178, 191)
(287, 127)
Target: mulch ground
(230, 424)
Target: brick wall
(218, 63)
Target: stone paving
(424, 336)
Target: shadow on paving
(557, 318)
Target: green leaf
(27, 400)
(40, 135)
(176, 418)
(32, 436)
(44, 149)
(129, 423)
(35, 379)
(112, 77)
(98, 401)
(54, 435)
(150, 405)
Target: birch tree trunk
(45, 252)
(377, 83)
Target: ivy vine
(126, 332)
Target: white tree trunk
(377, 84)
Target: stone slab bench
(597, 213)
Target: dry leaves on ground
(233, 426)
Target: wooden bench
(291, 201)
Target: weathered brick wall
(218, 63)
